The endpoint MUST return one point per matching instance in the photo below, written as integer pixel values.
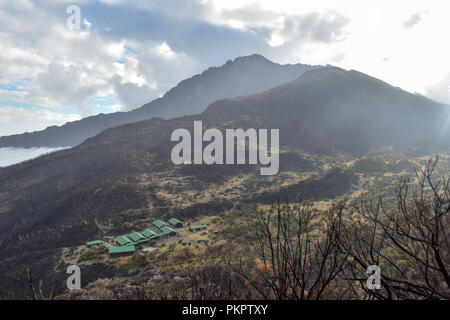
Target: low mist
(10, 156)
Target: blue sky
(128, 53)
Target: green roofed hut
(149, 234)
(168, 231)
(136, 236)
(197, 228)
(123, 241)
(175, 222)
(157, 236)
(121, 251)
(94, 243)
(107, 245)
(159, 224)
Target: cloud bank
(10, 156)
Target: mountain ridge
(125, 173)
(241, 76)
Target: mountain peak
(239, 77)
(336, 74)
(248, 60)
(327, 72)
(252, 57)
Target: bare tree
(37, 291)
(296, 253)
(409, 241)
(302, 253)
(208, 282)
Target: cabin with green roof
(175, 222)
(158, 235)
(121, 251)
(136, 236)
(197, 228)
(168, 231)
(123, 241)
(148, 233)
(107, 245)
(158, 224)
(94, 243)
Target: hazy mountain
(125, 173)
(333, 110)
(243, 76)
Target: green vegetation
(92, 253)
(381, 165)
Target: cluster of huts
(126, 244)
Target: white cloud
(148, 72)
(17, 120)
(440, 91)
(68, 67)
(115, 107)
(314, 27)
(131, 94)
(10, 156)
(412, 20)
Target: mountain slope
(125, 173)
(243, 76)
(331, 109)
(328, 110)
